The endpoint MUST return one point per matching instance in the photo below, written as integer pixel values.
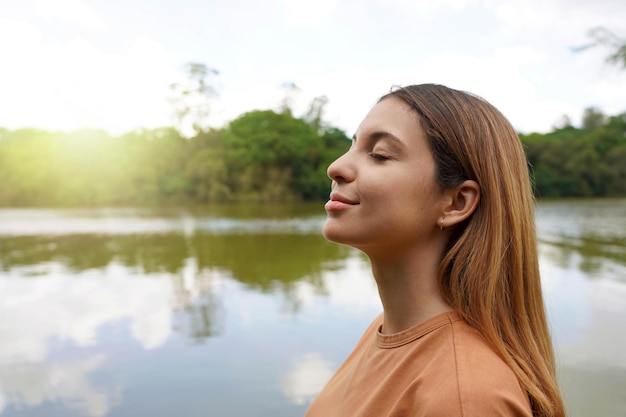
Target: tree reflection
(261, 261)
(587, 235)
(264, 261)
(593, 253)
(197, 309)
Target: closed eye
(377, 156)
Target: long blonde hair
(489, 271)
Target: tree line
(262, 156)
(589, 161)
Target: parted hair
(489, 271)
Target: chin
(328, 233)
(332, 234)
(336, 236)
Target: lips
(340, 198)
(339, 202)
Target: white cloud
(71, 11)
(66, 308)
(17, 37)
(306, 378)
(348, 288)
(498, 78)
(33, 384)
(557, 21)
(309, 13)
(584, 318)
(517, 53)
(428, 8)
(73, 84)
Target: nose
(341, 169)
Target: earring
(440, 223)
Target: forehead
(393, 116)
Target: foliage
(260, 156)
(585, 162)
(279, 154)
(601, 36)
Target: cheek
(420, 189)
(423, 198)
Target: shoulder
(486, 385)
(455, 372)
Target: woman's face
(384, 193)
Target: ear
(462, 201)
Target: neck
(409, 290)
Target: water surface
(247, 311)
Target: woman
(435, 190)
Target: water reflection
(591, 233)
(247, 310)
(77, 282)
(42, 314)
(29, 385)
(583, 262)
(196, 305)
(73, 308)
(259, 260)
(307, 377)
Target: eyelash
(377, 157)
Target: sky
(70, 64)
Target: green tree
(207, 169)
(264, 149)
(263, 156)
(29, 168)
(590, 161)
(277, 156)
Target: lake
(246, 311)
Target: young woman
(435, 190)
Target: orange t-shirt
(439, 368)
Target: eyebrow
(376, 136)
